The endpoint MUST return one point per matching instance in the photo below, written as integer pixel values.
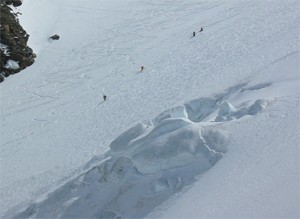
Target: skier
(201, 29)
(142, 68)
(104, 97)
(194, 34)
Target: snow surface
(12, 64)
(210, 128)
(4, 48)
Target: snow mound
(149, 162)
(228, 112)
(12, 64)
(131, 183)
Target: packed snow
(209, 128)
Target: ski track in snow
(150, 162)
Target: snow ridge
(151, 161)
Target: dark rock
(15, 38)
(55, 37)
(1, 78)
(15, 3)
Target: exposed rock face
(15, 3)
(15, 54)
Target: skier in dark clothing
(201, 29)
(104, 97)
(194, 34)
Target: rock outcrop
(55, 37)
(15, 54)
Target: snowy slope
(259, 176)
(54, 132)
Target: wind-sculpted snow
(149, 162)
(229, 112)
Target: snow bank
(148, 163)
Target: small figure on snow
(194, 34)
(104, 97)
(142, 68)
(201, 29)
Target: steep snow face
(146, 164)
(156, 159)
(56, 131)
(47, 15)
